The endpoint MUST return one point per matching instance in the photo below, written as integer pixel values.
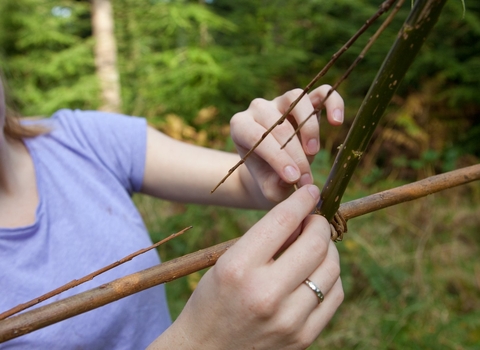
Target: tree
(106, 55)
(46, 53)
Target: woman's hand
(252, 299)
(272, 169)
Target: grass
(411, 273)
(412, 277)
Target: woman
(65, 211)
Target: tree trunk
(106, 55)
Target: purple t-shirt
(87, 167)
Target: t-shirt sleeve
(117, 142)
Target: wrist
(173, 338)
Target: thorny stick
(86, 278)
(360, 57)
(383, 8)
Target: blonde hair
(17, 131)
(13, 128)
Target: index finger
(261, 243)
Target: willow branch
(410, 191)
(86, 278)
(383, 8)
(60, 310)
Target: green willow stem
(411, 37)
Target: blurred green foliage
(46, 53)
(411, 272)
(180, 57)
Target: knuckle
(294, 93)
(326, 87)
(317, 246)
(334, 269)
(240, 131)
(235, 120)
(285, 218)
(257, 103)
(263, 304)
(288, 326)
(304, 340)
(231, 272)
(237, 123)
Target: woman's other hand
(275, 170)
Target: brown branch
(86, 278)
(360, 57)
(410, 191)
(60, 310)
(383, 8)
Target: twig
(383, 8)
(60, 310)
(360, 57)
(86, 278)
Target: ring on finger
(315, 289)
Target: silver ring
(315, 289)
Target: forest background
(411, 272)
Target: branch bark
(55, 312)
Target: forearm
(185, 173)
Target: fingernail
(338, 115)
(291, 173)
(314, 191)
(312, 146)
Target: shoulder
(115, 142)
(78, 124)
(98, 131)
(95, 122)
